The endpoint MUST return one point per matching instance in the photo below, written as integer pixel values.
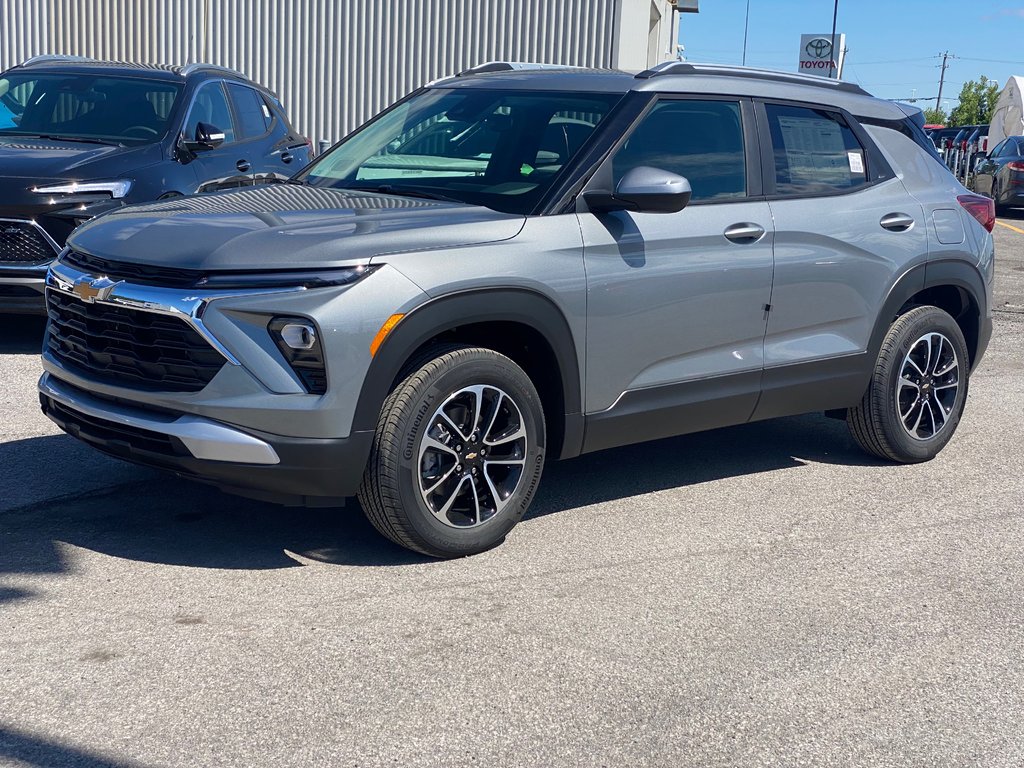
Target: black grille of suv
(129, 348)
(134, 273)
(23, 243)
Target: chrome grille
(128, 347)
(22, 242)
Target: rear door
(676, 301)
(264, 138)
(845, 228)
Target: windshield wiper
(391, 189)
(55, 137)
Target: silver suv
(519, 264)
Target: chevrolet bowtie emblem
(91, 290)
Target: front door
(228, 166)
(677, 303)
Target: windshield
(500, 149)
(119, 110)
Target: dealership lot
(759, 595)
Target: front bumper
(22, 290)
(288, 470)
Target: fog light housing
(299, 342)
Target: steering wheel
(143, 128)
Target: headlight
(298, 278)
(116, 189)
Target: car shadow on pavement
(22, 335)
(138, 514)
(30, 750)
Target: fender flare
(450, 311)
(932, 274)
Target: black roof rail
(47, 57)
(686, 68)
(199, 66)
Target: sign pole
(835, 13)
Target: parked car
(942, 136)
(570, 260)
(1000, 173)
(79, 138)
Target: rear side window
(253, 113)
(815, 151)
(701, 140)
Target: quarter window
(815, 151)
(211, 106)
(701, 140)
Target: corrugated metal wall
(334, 63)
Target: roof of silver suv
(679, 77)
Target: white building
(335, 63)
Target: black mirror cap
(644, 190)
(207, 137)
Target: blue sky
(892, 47)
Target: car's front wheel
(458, 453)
(918, 389)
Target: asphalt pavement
(761, 595)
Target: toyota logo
(819, 48)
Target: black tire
(395, 489)
(1000, 208)
(876, 422)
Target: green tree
(933, 116)
(977, 103)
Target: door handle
(897, 222)
(243, 165)
(286, 157)
(745, 232)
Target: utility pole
(942, 77)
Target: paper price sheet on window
(816, 153)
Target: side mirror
(644, 190)
(207, 137)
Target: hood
(38, 160)
(285, 226)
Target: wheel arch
(523, 324)
(954, 286)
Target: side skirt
(640, 415)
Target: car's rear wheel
(918, 389)
(458, 453)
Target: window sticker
(856, 162)
(815, 150)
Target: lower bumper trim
(203, 438)
(309, 471)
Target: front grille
(127, 347)
(134, 273)
(119, 439)
(21, 242)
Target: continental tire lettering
(410, 438)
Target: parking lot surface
(760, 595)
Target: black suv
(80, 137)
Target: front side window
(815, 151)
(124, 110)
(700, 140)
(498, 148)
(210, 106)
